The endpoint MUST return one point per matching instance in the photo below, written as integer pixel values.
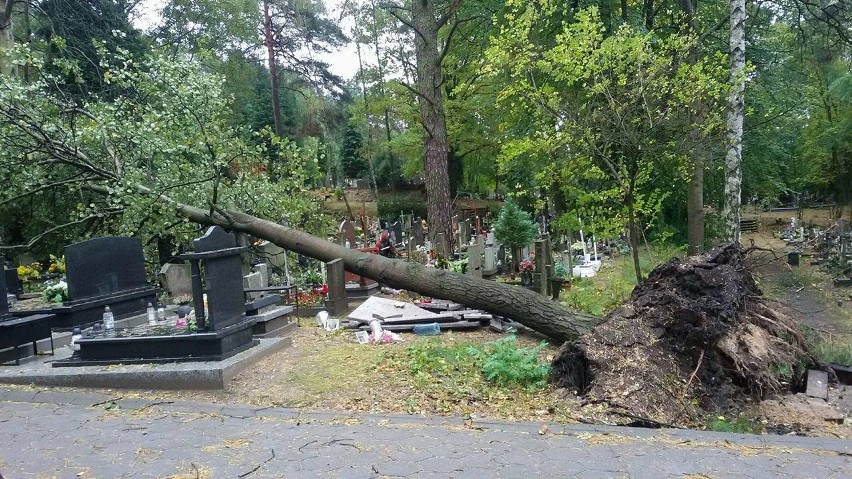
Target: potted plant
(560, 279)
(526, 269)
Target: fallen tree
(124, 164)
(530, 309)
(696, 336)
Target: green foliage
(82, 37)
(509, 365)
(828, 348)
(739, 425)
(56, 293)
(514, 227)
(604, 112)
(501, 362)
(390, 206)
(100, 168)
(352, 156)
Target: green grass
(463, 368)
(740, 424)
(827, 347)
(615, 281)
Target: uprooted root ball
(695, 336)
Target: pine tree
(515, 229)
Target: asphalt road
(83, 435)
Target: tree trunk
(533, 310)
(435, 142)
(273, 69)
(736, 106)
(380, 63)
(6, 39)
(632, 236)
(695, 189)
(367, 136)
(695, 209)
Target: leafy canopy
(103, 166)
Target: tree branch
(41, 235)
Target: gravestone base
(84, 313)
(262, 305)
(356, 291)
(206, 346)
(273, 323)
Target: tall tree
(426, 19)
(606, 113)
(6, 38)
(736, 114)
(83, 37)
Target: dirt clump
(695, 337)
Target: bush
(509, 365)
(461, 365)
(390, 207)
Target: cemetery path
(90, 435)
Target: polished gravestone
(101, 272)
(16, 334)
(223, 330)
(13, 283)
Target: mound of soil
(695, 337)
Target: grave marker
(474, 260)
(347, 234)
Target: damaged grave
(695, 337)
(396, 316)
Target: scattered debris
(393, 315)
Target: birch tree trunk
(736, 111)
(6, 39)
(268, 34)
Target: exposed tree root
(696, 336)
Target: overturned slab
(386, 308)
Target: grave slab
(385, 308)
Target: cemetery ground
(444, 375)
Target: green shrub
(462, 365)
(507, 364)
(740, 425)
(391, 206)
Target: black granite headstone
(14, 285)
(104, 266)
(4, 306)
(223, 278)
(396, 232)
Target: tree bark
(273, 69)
(535, 311)
(6, 39)
(695, 209)
(632, 236)
(367, 137)
(436, 144)
(736, 111)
